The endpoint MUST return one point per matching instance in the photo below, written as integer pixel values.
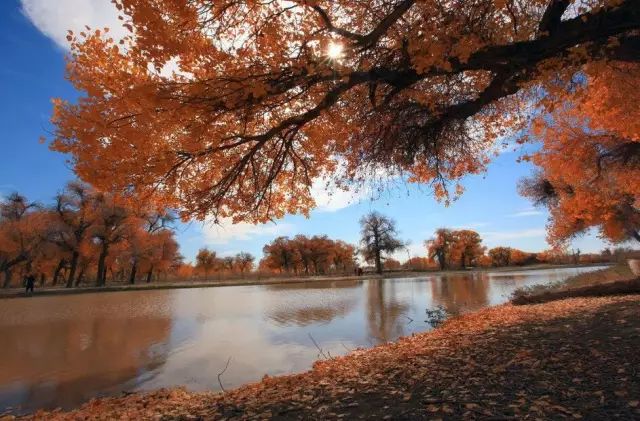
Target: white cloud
(54, 17)
(225, 231)
(525, 213)
(493, 236)
(330, 198)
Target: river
(64, 350)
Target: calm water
(61, 351)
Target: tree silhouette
(378, 237)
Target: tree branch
(553, 15)
(365, 41)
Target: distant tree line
(302, 255)
(459, 249)
(208, 263)
(84, 237)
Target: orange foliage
(308, 255)
(507, 256)
(391, 264)
(255, 109)
(598, 127)
(455, 248)
(418, 263)
(84, 232)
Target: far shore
(250, 281)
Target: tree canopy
(234, 108)
(598, 127)
(378, 236)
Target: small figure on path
(29, 283)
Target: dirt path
(570, 359)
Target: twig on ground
(221, 373)
(345, 347)
(319, 349)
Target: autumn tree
(244, 261)
(185, 271)
(310, 255)
(228, 263)
(84, 230)
(279, 255)
(378, 237)
(439, 247)
(206, 260)
(163, 253)
(343, 255)
(224, 107)
(418, 263)
(143, 238)
(110, 228)
(467, 247)
(74, 215)
(597, 188)
(322, 249)
(455, 248)
(520, 258)
(20, 233)
(500, 256)
(392, 264)
(302, 252)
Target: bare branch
(221, 373)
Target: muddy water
(63, 350)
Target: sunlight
(335, 50)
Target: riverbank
(575, 358)
(613, 280)
(61, 290)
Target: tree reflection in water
(304, 304)
(384, 311)
(71, 354)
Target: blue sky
(32, 72)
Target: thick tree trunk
(72, 269)
(104, 276)
(7, 277)
(442, 260)
(80, 277)
(149, 274)
(56, 272)
(378, 261)
(102, 270)
(377, 252)
(132, 276)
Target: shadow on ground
(583, 366)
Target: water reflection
(53, 355)
(457, 293)
(307, 303)
(60, 351)
(384, 308)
